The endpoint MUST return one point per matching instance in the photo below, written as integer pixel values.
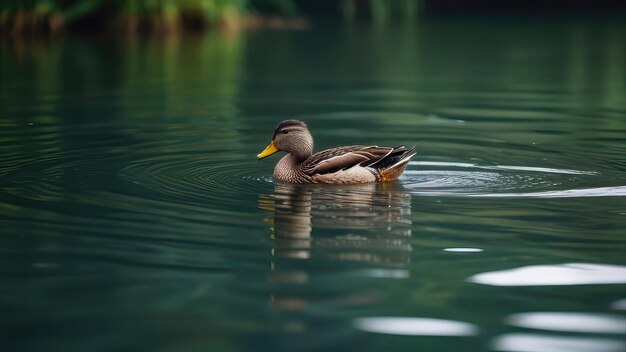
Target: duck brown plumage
(340, 165)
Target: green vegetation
(36, 16)
(52, 15)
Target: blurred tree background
(19, 17)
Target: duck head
(291, 136)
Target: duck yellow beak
(271, 149)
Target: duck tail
(395, 163)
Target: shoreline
(25, 24)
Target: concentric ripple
(472, 180)
(195, 178)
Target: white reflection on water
(503, 167)
(570, 322)
(386, 273)
(618, 191)
(619, 304)
(550, 275)
(463, 250)
(555, 343)
(415, 326)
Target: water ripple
(194, 178)
(504, 167)
(557, 274)
(503, 181)
(413, 326)
(570, 322)
(555, 343)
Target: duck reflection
(369, 222)
(325, 233)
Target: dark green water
(135, 216)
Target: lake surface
(135, 216)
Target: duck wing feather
(342, 158)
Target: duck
(354, 164)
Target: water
(135, 215)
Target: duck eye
(285, 132)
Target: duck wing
(342, 158)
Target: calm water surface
(135, 216)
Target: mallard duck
(341, 165)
